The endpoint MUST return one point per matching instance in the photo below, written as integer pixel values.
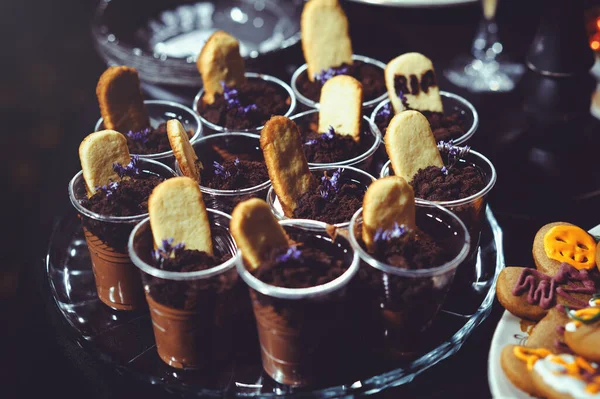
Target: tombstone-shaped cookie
(412, 75)
(325, 39)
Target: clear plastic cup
(217, 147)
(452, 103)
(192, 312)
(348, 173)
(117, 280)
(471, 210)
(314, 104)
(370, 141)
(161, 112)
(250, 76)
(300, 328)
(397, 305)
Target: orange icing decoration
(576, 369)
(572, 245)
(530, 356)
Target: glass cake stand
(125, 340)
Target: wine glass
(485, 70)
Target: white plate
(416, 3)
(508, 332)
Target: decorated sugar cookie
(543, 374)
(560, 242)
(582, 332)
(530, 293)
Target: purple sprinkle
(397, 231)
(131, 169)
(141, 136)
(385, 111)
(329, 135)
(237, 161)
(168, 250)
(311, 142)
(292, 253)
(220, 170)
(327, 74)
(455, 153)
(444, 170)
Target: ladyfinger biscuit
(341, 106)
(411, 145)
(387, 201)
(414, 76)
(325, 39)
(183, 150)
(220, 62)
(177, 211)
(281, 144)
(97, 154)
(256, 231)
(121, 101)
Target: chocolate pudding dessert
(405, 306)
(150, 140)
(370, 76)
(330, 147)
(234, 175)
(444, 127)
(246, 107)
(117, 281)
(300, 338)
(178, 308)
(332, 199)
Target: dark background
(49, 70)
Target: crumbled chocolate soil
(338, 207)
(313, 267)
(234, 175)
(371, 77)
(193, 294)
(444, 127)
(413, 250)
(155, 142)
(460, 182)
(269, 98)
(320, 149)
(130, 198)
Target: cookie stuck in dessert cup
(471, 209)
(369, 71)
(459, 122)
(323, 149)
(117, 280)
(309, 202)
(225, 148)
(396, 304)
(301, 329)
(192, 311)
(159, 113)
(285, 105)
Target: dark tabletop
(544, 147)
